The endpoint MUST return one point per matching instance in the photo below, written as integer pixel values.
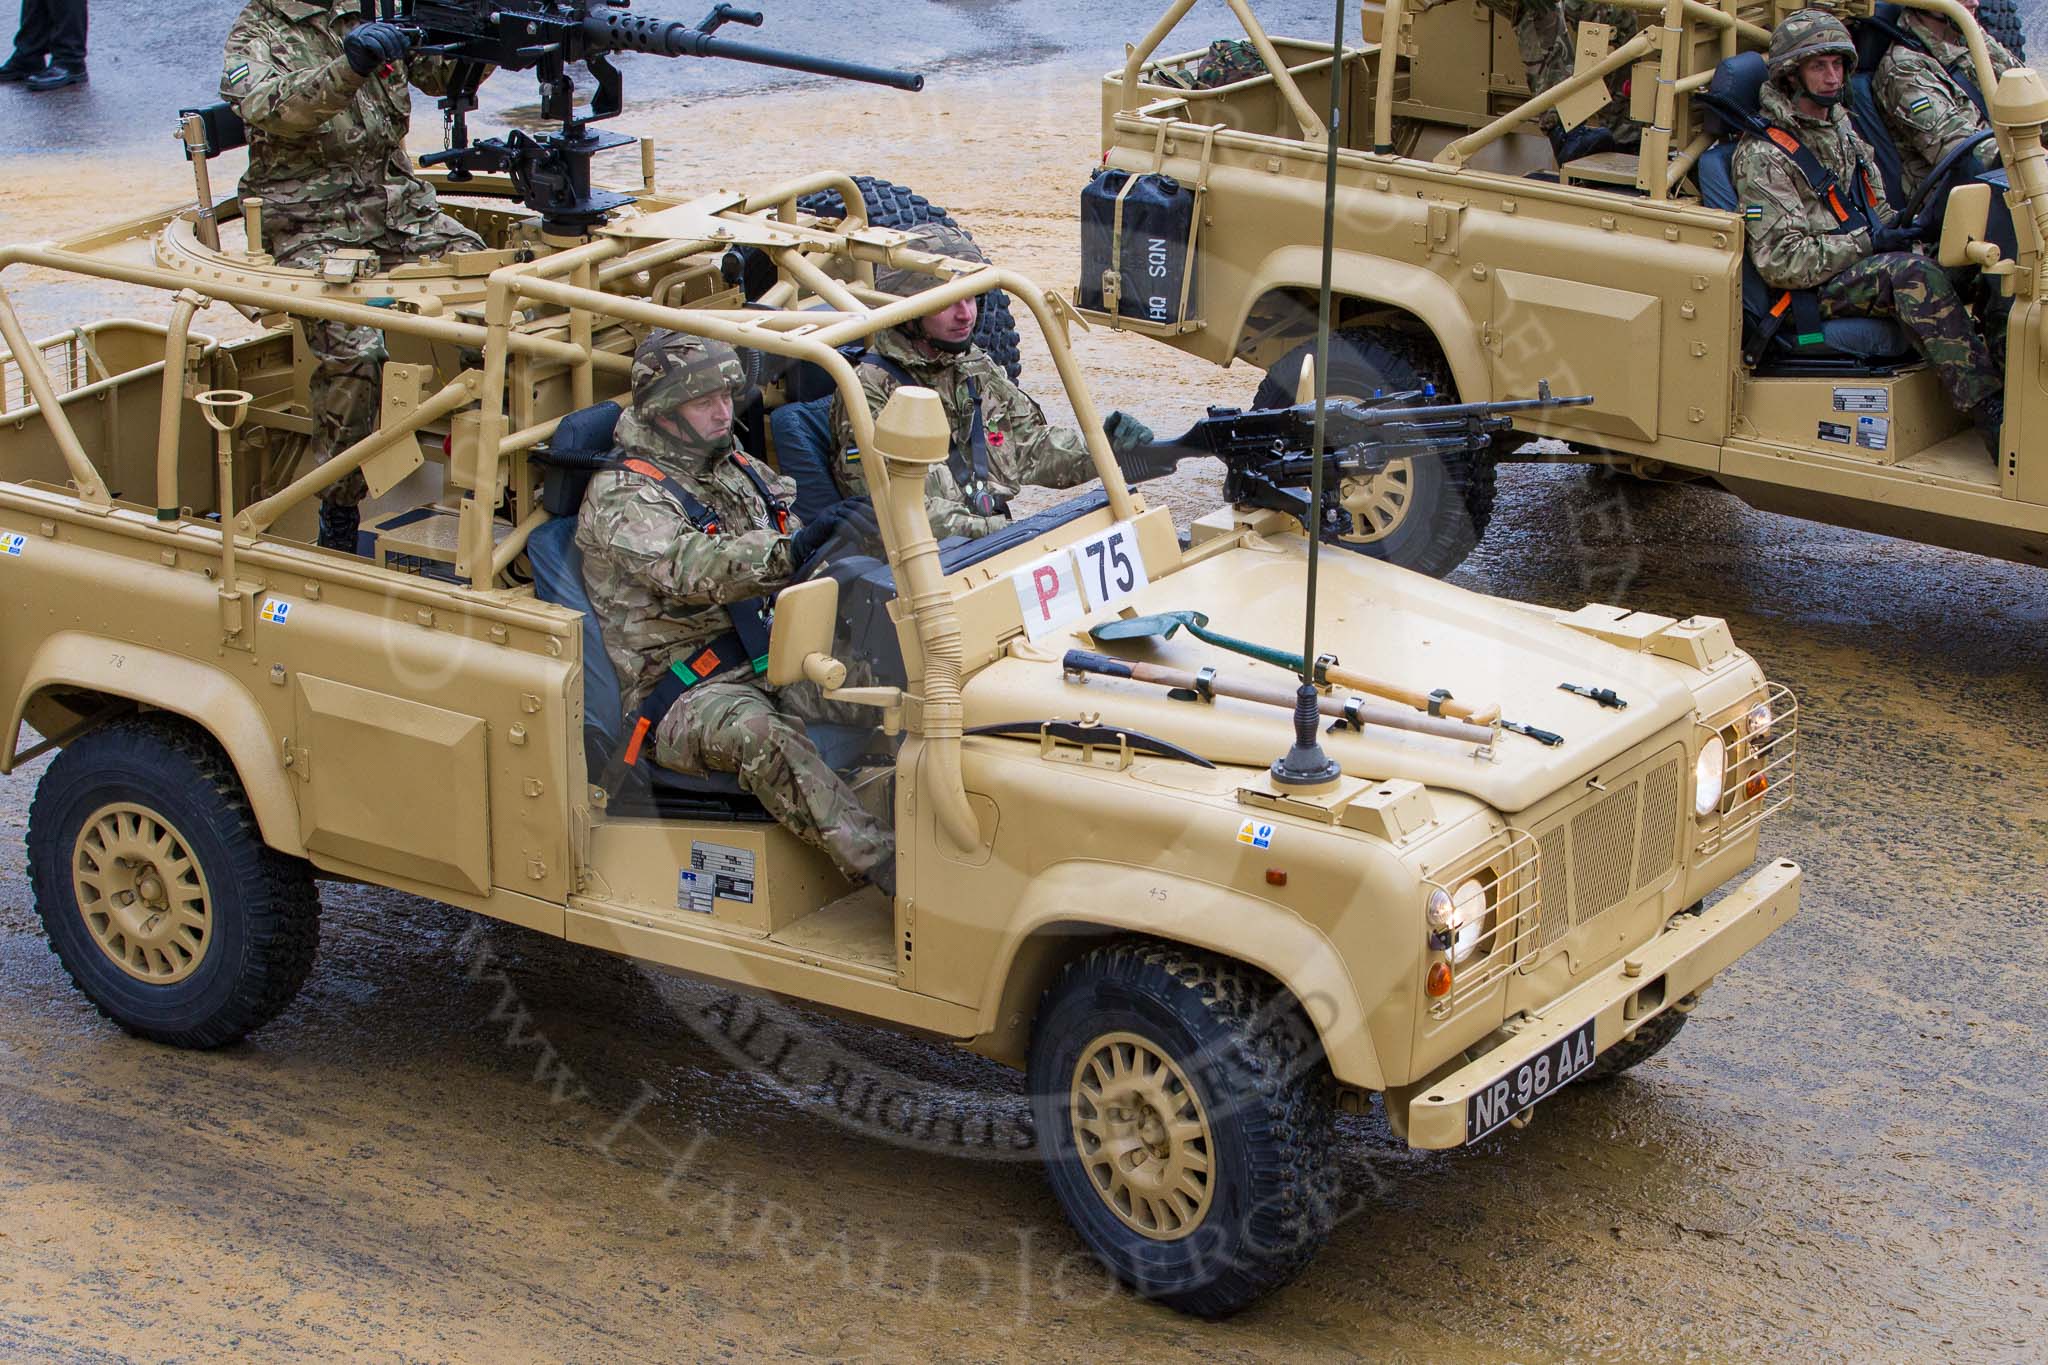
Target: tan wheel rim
(1142, 1136)
(1378, 504)
(141, 894)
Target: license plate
(1529, 1083)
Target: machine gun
(551, 171)
(1269, 452)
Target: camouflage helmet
(941, 239)
(1806, 34)
(674, 367)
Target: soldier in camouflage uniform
(661, 585)
(1927, 109)
(1547, 36)
(1796, 242)
(327, 99)
(1021, 446)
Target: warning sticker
(1862, 400)
(1873, 433)
(1257, 833)
(1838, 432)
(274, 611)
(12, 544)
(716, 872)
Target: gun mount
(551, 170)
(1269, 452)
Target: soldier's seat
(803, 452)
(1734, 104)
(580, 447)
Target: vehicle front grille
(1610, 845)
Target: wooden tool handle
(1227, 685)
(1408, 696)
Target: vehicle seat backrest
(558, 578)
(581, 445)
(1867, 120)
(1733, 99)
(803, 451)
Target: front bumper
(1650, 980)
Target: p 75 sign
(1071, 583)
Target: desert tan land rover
(1099, 880)
(1466, 257)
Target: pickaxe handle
(1346, 677)
(1209, 683)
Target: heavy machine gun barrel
(614, 32)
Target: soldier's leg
(437, 236)
(1917, 293)
(343, 395)
(737, 728)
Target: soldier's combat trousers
(1918, 294)
(738, 728)
(348, 360)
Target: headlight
(1756, 725)
(1463, 916)
(1707, 774)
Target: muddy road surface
(466, 1142)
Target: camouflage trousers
(1547, 39)
(348, 360)
(1918, 294)
(738, 728)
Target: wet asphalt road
(465, 1142)
(148, 60)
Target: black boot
(1989, 418)
(1584, 140)
(338, 527)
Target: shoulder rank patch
(237, 74)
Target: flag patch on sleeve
(1921, 105)
(1753, 213)
(238, 74)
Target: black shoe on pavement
(338, 527)
(54, 77)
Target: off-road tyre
(1645, 1043)
(2002, 20)
(1258, 1087)
(893, 206)
(1452, 496)
(261, 912)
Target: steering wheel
(1918, 206)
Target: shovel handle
(1359, 682)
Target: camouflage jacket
(1924, 107)
(1792, 235)
(659, 584)
(1022, 447)
(326, 146)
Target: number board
(1071, 583)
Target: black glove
(369, 46)
(857, 515)
(1124, 431)
(1897, 237)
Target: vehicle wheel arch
(1047, 933)
(82, 665)
(1367, 292)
